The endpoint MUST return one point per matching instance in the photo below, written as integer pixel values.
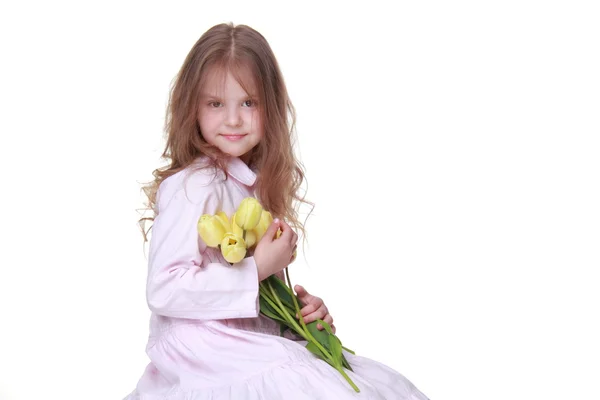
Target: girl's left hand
(314, 308)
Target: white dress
(207, 339)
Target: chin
(234, 153)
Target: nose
(234, 117)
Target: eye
(249, 103)
(215, 104)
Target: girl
(229, 126)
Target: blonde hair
(239, 50)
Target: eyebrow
(204, 95)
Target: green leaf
(345, 364)
(330, 331)
(336, 350)
(315, 350)
(320, 335)
(332, 345)
(269, 311)
(325, 325)
(285, 294)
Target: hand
(314, 308)
(274, 254)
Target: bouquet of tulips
(236, 236)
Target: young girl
(229, 127)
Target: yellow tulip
(265, 221)
(294, 256)
(235, 229)
(211, 230)
(233, 248)
(248, 213)
(249, 237)
(225, 221)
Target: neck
(246, 158)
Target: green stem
(289, 282)
(269, 298)
(341, 370)
(275, 307)
(263, 293)
(280, 308)
(293, 322)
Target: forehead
(219, 81)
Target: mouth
(234, 137)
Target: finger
(300, 291)
(309, 309)
(319, 314)
(303, 294)
(333, 329)
(310, 299)
(272, 230)
(286, 232)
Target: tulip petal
(248, 213)
(233, 248)
(211, 230)
(224, 220)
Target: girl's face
(229, 117)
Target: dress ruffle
(278, 368)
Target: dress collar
(238, 169)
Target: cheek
(208, 123)
(257, 125)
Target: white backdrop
(451, 148)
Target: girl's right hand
(273, 255)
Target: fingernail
(276, 220)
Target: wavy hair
(245, 53)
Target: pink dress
(207, 339)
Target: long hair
(245, 53)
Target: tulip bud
(248, 213)
(265, 221)
(250, 238)
(225, 221)
(235, 229)
(233, 248)
(294, 256)
(211, 230)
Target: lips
(234, 137)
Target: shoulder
(197, 183)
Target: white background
(451, 148)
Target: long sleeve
(181, 282)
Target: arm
(178, 285)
